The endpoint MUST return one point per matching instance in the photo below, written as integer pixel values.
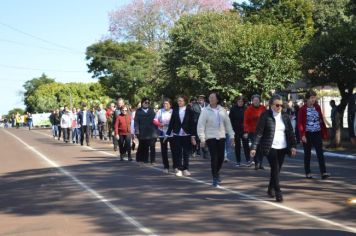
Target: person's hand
(232, 142)
(117, 136)
(294, 152)
(202, 144)
(194, 142)
(253, 153)
(165, 139)
(245, 136)
(304, 139)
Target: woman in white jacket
(66, 124)
(213, 124)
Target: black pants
(115, 142)
(238, 139)
(314, 139)
(164, 152)
(125, 145)
(276, 159)
(258, 156)
(84, 130)
(146, 148)
(59, 132)
(66, 134)
(102, 130)
(217, 153)
(182, 147)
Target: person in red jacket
(251, 116)
(123, 132)
(312, 130)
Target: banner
(41, 119)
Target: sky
(72, 24)
(42, 36)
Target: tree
(330, 57)
(54, 95)
(294, 14)
(148, 21)
(15, 111)
(215, 51)
(123, 69)
(31, 86)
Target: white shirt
(279, 140)
(181, 117)
(84, 118)
(217, 116)
(145, 110)
(164, 117)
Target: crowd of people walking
(205, 128)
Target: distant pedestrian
(312, 130)
(335, 125)
(75, 126)
(237, 120)
(123, 133)
(101, 115)
(146, 132)
(29, 120)
(197, 108)
(275, 135)
(66, 124)
(85, 118)
(162, 119)
(251, 116)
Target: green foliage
(330, 57)
(293, 14)
(52, 96)
(31, 86)
(215, 51)
(124, 69)
(14, 112)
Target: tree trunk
(346, 93)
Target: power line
(37, 69)
(38, 38)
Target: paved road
(51, 188)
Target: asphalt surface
(48, 187)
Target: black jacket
(265, 132)
(188, 125)
(237, 119)
(54, 119)
(144, 127)
(197, 110)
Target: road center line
(94, 193)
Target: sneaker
(238, 165)
(215, 183)
(325, 176)
(179, 173)
(308, 176)
(261, 167)
(186, 173)
(175, 170)
(279, 197)
(251, 163)
(226, 160)
(166, 171)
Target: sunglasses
(278, 105)
(146, 102)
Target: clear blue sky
(75, 24)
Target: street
(48, 187)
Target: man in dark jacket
(197, 107)
(146, 132)
(85, 118)
(114, 115)
(237, 121)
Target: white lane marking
(332, 154)
(94, 193)
(251, 197)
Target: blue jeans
(75, 134)
(55, 130)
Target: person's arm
(117, 126)
(171, 123)
(137, 124)
(228, 126)
(201, 126)
(259, 131)
(301, 123)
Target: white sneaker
(176, 170)
(179, 173)
(166, 171)
(186, 173)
